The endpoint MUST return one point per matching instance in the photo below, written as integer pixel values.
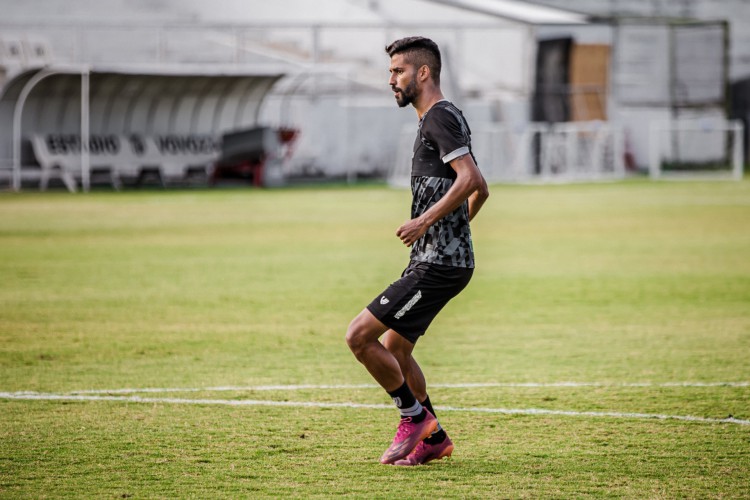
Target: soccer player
(448, 190)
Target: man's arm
(469, 184)
(478, 197)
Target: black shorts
(410, 304)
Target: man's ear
(424, 73)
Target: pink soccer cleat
(408, 436)
(425, 452)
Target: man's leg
(438, 445)
(402, 351)
(362, 338)
(416, 423)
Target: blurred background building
(180, 89)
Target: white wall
(736, 12)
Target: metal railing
(537, 152)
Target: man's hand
(411, 230)
(469, 185)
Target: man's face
(403, 80)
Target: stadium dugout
(164, 122)
(553, 95)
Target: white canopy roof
(519, 11)
(253, 12)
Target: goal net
(696, 149)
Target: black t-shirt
(443, 136)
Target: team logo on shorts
(409, 305)
(384, 300)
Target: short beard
(407, 95)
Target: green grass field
(637, 293)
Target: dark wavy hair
(419, 51)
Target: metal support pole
(654, 167)
(85, 131)
(571, 150)
(618, 134)
(351, 176)
(18, 119)
(737, 161)
(17, 122)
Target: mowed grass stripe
(468, 385)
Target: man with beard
(448, 190)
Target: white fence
(696, 149)
(563, 152)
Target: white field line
(314, 404)
(469, 385)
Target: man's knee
(361, 332)
(354, 337)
